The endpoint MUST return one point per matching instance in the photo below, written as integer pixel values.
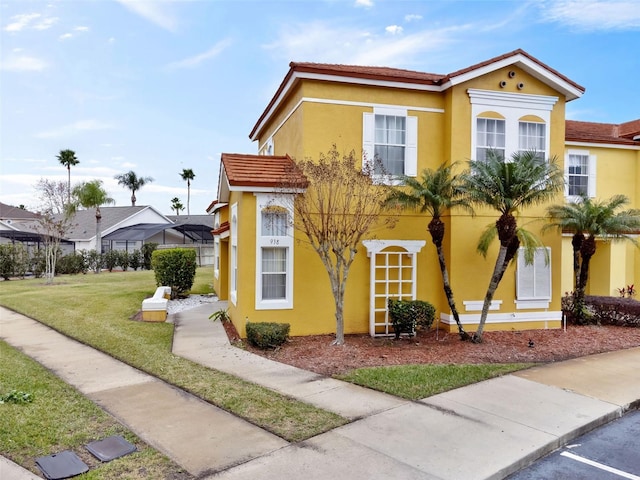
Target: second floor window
(532, 137)
(390, 141)
(580, 174)
(490, 136)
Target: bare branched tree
(53, 195)
(339, 204)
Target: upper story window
(490, 135)
(533, 137)
(580, 174)
(274, 253)
(233, 290)
(389, 138)
(509, 122)
(390, 144)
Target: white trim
(525, 101)
(529, 66)
(513, 107)
(347, 103)
(284, 242)
(233, 261)
(532, 304)
(375, 246)
(497, 318)
(252, 189)
(476, 305)
(601, 145)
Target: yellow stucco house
(413, 120)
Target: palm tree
(92, 195)
(176, 205)
(435, 192)
(68, 159)
(507, 186)
(587, 219)
(134, 183)
(188, 175)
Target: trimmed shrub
(111, 259)
(614, 310)
(147, 253)
(38, 262)
(406, 315)
(267, 335)
(135, 260)
(71, 264)
(175, 268)
(123, 259)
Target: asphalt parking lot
(610, 452)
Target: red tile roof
(261, 171)
(390, 75)
(224, 227)
(621, 134)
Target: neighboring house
(412, 121)
(20, 225)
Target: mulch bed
(315, 353)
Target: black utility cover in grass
(110, 448)
(61, 465)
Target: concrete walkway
(483, 431)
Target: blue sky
(157, 87)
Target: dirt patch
(316, 354)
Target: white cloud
(153, 11)
(196, 60)
(111, 40)
(412, 17)
(21, 21)
(394, 29)
(326, 43)
(23, 63)
(74, 128)
(81, 29)
(593, 14)
(46, 23)
(64, 36)
(364, 3)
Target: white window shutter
(591, 189)
(368, 137)
(411, 149)
(566, 175)
(533, 281)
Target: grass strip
(419, 381)
(96, 310)
(59, 418)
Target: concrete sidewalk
(483, 431)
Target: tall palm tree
(134, 183)
(434, 192)
(176, 205)
(68, 159)
(92, 195)
(188, 175)
(589, 219)
(508, 185)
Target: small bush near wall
(614, 311)
(406, 315)
(267, 334)
(175, 268)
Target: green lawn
(96, 309)
(420, 381)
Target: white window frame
(285, 242)
(591, 173)
(528, 139)
(233, 261)
(512, 107)
(216, 258)
(533, 282)
(411, 140)
(485, 146)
